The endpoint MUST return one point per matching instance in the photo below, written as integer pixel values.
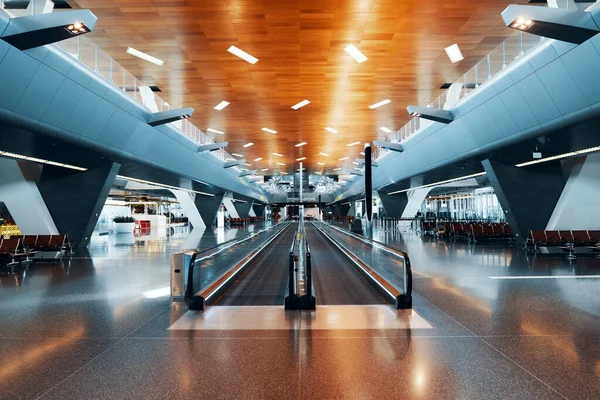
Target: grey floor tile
(30, 367)
(194, 369)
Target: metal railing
(385, 279)
(186, 268)
(300, 291)
(510, 50)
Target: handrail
(300, 263)
(197, 302)
(406, 296)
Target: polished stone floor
(97, 327)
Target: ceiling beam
(164, 117)
(433, 114)
(389, 145)
(211, 147)
(230, 164)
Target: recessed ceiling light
(301, 104)
(300, 144)
(278, 155)
(221, 105)
(385, 129)
(247, 164)
(265, 169)
(522, 23)
(237, 155)
(381, 103)
(320, 163)
(344, 158)
(328, 129)
(144, 56)
(362, 153)
(454, 53)
(336, 169)
(324, 154)
(352, 144)
(317, 172)
(248, 144)
(242, 54)
(355, 53)
(280, 163)
(215, 131)
(301, 158)
(258, 159)
(269, 130)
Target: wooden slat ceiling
(299, 45)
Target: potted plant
(124, 224)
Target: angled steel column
(75, 198)
(208, 206)
(527, 195)
(394, 204)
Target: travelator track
(297, 265)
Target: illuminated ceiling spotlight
(571, 26)
(278, 155)
(38, 30)
(433, 114)
(329, 129)
(269, 130)
(344, 158)
(352, 144)
(454, 53)
(301, 104)
(248, 144)
(324, 154)
(265, 169)
(221, 105)
(381, 103)
(397, 147)
(355, 53)
(280, 163)
(337, 169)
(215, 131)
(300, 144)
(258, 159)
(242, 54)
(320, 163)
(301, 158)
(237, 155)
(385, 129)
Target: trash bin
(179, 271)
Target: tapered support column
(344, 208)
(527, 195)
(393, 204)
(75, 198)
(259, 209)
(208, 206)
(243, 207)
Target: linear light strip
(439, 183)
(144, 56)
(221, 105)
(163, 185)
(215, 131)
(355, 53)
(559, 156)
(300, 144)
(269, 130)
(41, 161)
(242, 54)
(381, 103)
(301, 104)
(546, 277)
(329, 129)
(248, 144)
(352, 144)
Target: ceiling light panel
(278, 155)
(280, 163)
(258, 159)
(329, 129)
(344, 158)
(454, 53)
(381, 103)
(336, 169)
(300, 144)
(144, 56)
(215, 131)
(301, 158)
(301, 104)
(237, 155)
(352, 144)
(385, 129)
(355, 53)
(320, 163)
(242, 54)
(221, 105)
(248, 144)
(269, 130)
(324, 154)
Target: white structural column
(566, 4)
(577, 207)
(186, 201)
(228, 203)
(415, 200)
(23, 199)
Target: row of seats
(244, 221)
(564, 239)
(471, 231)
(16, 248)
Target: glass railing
(511, 49)
(90, 55)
